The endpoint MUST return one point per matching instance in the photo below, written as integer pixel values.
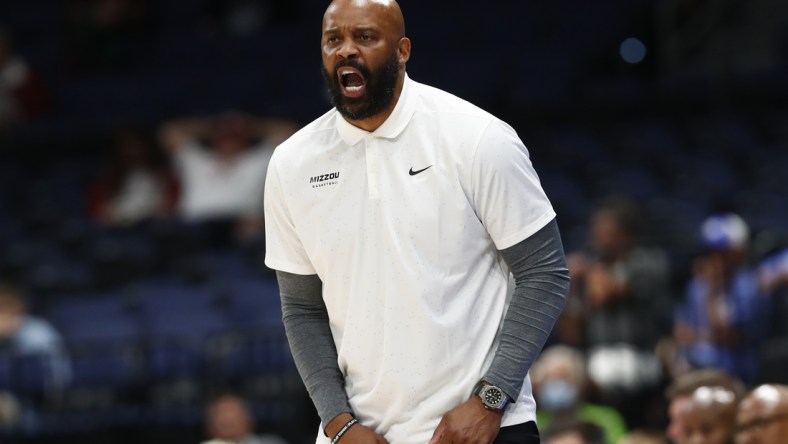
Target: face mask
(557, 395)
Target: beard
(380, 86)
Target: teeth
(354, 88)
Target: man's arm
(541, 287)
(542, 284)
(312, 345)
(306, 323)
(175, 134)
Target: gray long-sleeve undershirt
(541, 285)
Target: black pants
(525, 433)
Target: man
(26, 336)
(680, 391)
(762, 417)
(561, 388)
(393, 222)
(574, 432)
(227, 420)
(221, 162)
(724, 315)
(709, 416)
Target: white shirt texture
(212, 187)
(402, 225)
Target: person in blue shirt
(724, 313)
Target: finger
(437, 435)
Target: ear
(403, 50)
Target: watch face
(493, 396)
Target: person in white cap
(724, 314)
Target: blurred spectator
(561, 388)
(762, 417)
(723, 316)
(25, 335)
(622, 289)
(107, 36)
(643, 437)
(221, 164)
(9, 411)
(709, 416)
(25, 338)
(227, 420)
(679, 394)
(773, 272)
(773, 281)
(23, 95)
(135, 184)
(574, 432)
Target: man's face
(758, 422)
(11, 313)
(675, 412)
(229, 420)
(361, 58)
(705, 426)
(567, 438)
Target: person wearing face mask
(560, 388)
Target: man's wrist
(491, 396)
(335, 425)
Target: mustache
(352, 63)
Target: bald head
(384, 13)
(763, 415)
(708, 418)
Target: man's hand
(357, 434)
(469, 423)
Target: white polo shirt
(403, 225)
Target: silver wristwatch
(493, 398)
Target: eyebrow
(356, 29)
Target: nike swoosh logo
(413, 173)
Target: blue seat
(179, 319)
(103, 333)
(253, 353)
(253, 302)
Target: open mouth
(352, 81)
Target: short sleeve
(284, 250)
(506, 192)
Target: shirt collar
(391, 128)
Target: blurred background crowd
(134, 140)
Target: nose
(348, 50)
